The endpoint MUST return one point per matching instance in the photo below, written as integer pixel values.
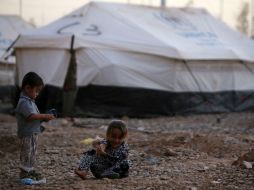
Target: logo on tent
(175, 22)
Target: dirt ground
(192, 152)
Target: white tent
(11, 27)
(174, 52)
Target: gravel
(191, 152)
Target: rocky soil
(192, 152)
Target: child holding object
(29, 124)
(109, 158)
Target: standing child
(109, 158)
(29, 122)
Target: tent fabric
(111, 68)
(146, 54)
(179, 34)
(51, 64)
(187, 33)
(11, 27)
(112, 101)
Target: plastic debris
(93, 141)
(53, 112)
(29, 181)
(247, 165)
(87, 141)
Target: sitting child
(109, 158)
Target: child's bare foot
(81, 174)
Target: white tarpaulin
(10, 27)
(172, 49)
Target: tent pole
(221, 9)
(20, 8)
(163, 3)
(251, 18)
(70, 84)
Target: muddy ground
(192, 152)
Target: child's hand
(100, 149)
(48, 117)
(95, 143)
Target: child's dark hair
(32, 79)
(117, 124)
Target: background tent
(10, 27)
(141, 61)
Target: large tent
(10, 27)
(142, 61)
